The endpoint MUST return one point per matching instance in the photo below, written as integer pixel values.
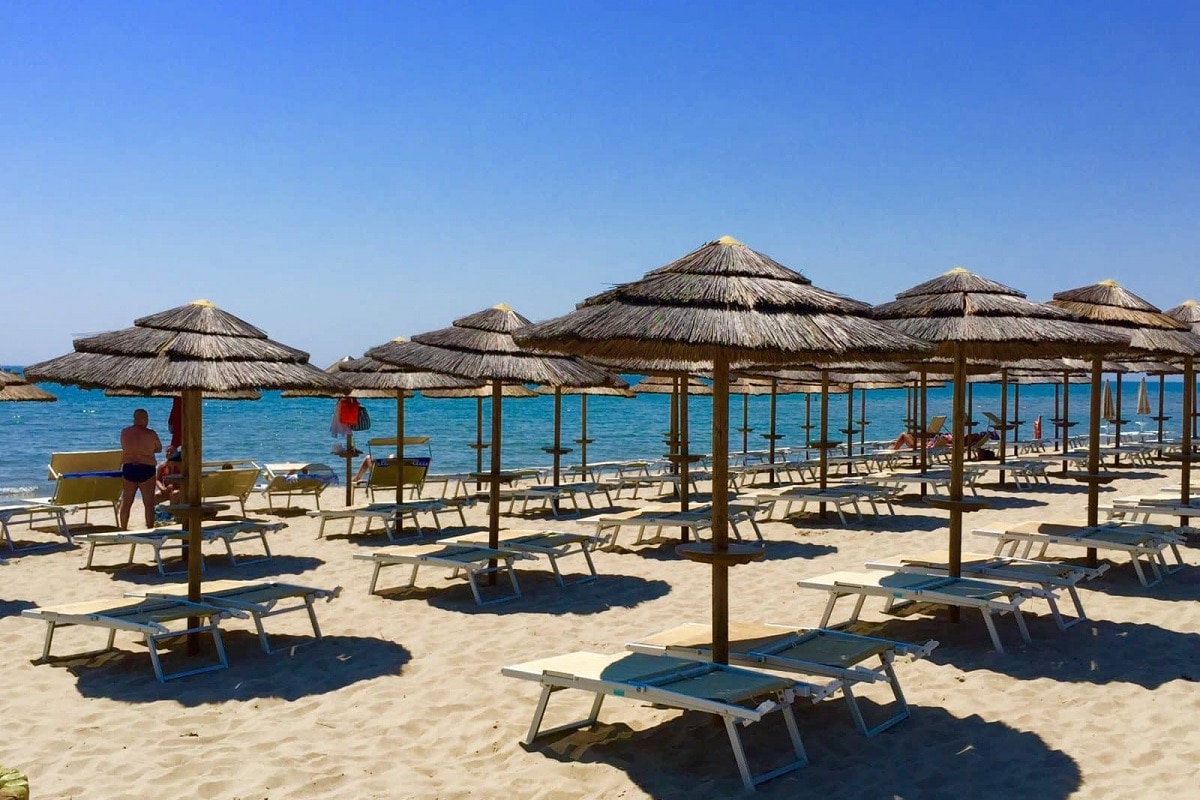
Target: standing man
(139, 443)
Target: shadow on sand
(12, 608)
(934, 754)
(539, 593)
(217, 567)
(329, 665)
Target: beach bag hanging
(338, 428)
(347, 411)
(364, 419)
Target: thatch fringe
(15, 389)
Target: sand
(404, 696)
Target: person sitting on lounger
(907, 441)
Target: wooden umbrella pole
(399, 458)
(745, 422)
(1003, 418)
(1189, 408)
(478, 440)
(720, 508)
(685, 448)
(1162, 382)
(1066, 417)
(771, 437)
(850, 419)
(583, 437)
(957, 451)
(494, 484)
(349, 469)
(193, 428)
(1093, 509)
(823, 444)
(558, 451)
(1118, 420)
(1016, 418)
(862, 421)
(923, 415)
(807, 422)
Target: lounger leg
(49, 639)
(991, 627)
(557, 574)
(833, 598)
(1020, 616)
(739, 752)
(374, 578)
(312, 617)
(540, 712)
(262, 634)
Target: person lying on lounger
(906, 441)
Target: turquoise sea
(297, 429)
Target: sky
(341, 173)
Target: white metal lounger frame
(389, 513)
(930, 591)
(551, 544)
(173, 539)
(153, 632)
(789, 636)
(258, 609)
(654, 691)
(696, 520)
(36, 512)
(471, 560)
(1151, 549)
(1017, 570)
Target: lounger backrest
(84, 461)
(228, 483)
(87, 489)
(384, 474)
(936, 424)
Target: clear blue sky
(342, 173)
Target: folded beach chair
(256, 599)
(28, 513)
(551, 544)
(900, 588)
(733, 694)
(148, 617)
(1045, 573)
(85, 480)
(174, 537)
(391, 515)
(471, 560)
(804, 651)
(1140, 541)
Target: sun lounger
(296, 480)
(900, 588)
(85, 480)
(837, 495)
(471, 560)
(257, 599)
(551, 496)
(1047, 573)
(175, 537)
(229, 484)
(663, 483)
(29, 513)
(391, 515)
(608, 527)
(1165, 504)
(1139, 541)
(551, 544)
(733, 694)
(805, 651)
(386, 474)
(1024, 472)
(148, 617)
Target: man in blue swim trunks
(139, 443)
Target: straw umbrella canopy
(190, 350)
(481, 347)
(1151, 333)
(232, 394)
(971, 317)
(722, 303)
(1187, 313)
(14, 388)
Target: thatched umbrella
(480, 392)
(189, 350)
(721, 303)
(971, 317)
(369, 375)
(14, 388)
(1151, 333)
(583, 391)
(481, 347)
(1187, 313)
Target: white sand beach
(404, 696)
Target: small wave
(17, 491)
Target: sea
(277, 429)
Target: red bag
(347, 411)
